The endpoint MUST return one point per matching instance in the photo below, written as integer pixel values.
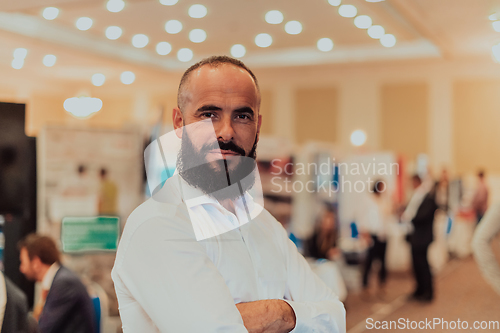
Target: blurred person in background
(480, 200)
(323, 242)
(79, 186)
(64, 305)
(14, 315)
(420, 211)
(443, 191)
(485, 232)
(108, 195)
(374, 229)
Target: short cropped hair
(213, 61)
(42, 247)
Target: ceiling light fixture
(50, 13)
(98, 79)
(197, 35)
(184, 55)
(168, 2)
(324, 44)
(20, 53)
(293, 27)
(376, 31)
(263, 40)
(274, 17)
(115, 6)
(348, 11)
(17, 63)
(197, 11)
(140, 41)
(82, 107)
(127, 77)
(493, 17)
(496, 52)
(335, 2)
(163, 48)
(496, 26)
(388, 40)
(358, 138)
(113, 32)
(173, 26)
(363, 21)
(238, 51)
(84, 23)
(49, 60)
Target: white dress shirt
(167, 281)
(48, 278)
(3, 298)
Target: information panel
(90, 234)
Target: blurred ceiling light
(173, 26)
(197, 35)
(238, 50)
(140, 40)
(98, 79)
(49, 60)
(496, 52)
(376, 31)
(496, 26)
(197, 11)
(20, 53)
(358, 138)
(274, 17)
(84, 23)
(363, 21)
(325, 44)
(17, 63)
(185, 55)
(113, 32)
(374, 0)
(493, 17)
(163, 48)
(293, 27)
(115, 6)
(388, 40)
(50, 13)
(335, 2)
(127, 77)
(168, 2)
(82, 107)
(348, 11)
(263, 40)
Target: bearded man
(203, 255)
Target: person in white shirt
(203, 255)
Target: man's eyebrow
(209, 107)
(245, 109)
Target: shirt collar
(49, 276)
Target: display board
(82, 234)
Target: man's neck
(229, 205)
(43, 272)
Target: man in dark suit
(65, 306)
(15, 314)
(420, 239)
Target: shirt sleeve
(168, 273)
(316, 307)
(486, 230)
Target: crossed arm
(267, 316)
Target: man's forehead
(220, 74)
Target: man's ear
(259, 123)
(178, 121)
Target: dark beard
(215, 177)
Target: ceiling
(423, 29)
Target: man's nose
(225, 131)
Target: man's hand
(267, 316)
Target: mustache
(230, 145)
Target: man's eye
(242, 116)
(208, 114)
